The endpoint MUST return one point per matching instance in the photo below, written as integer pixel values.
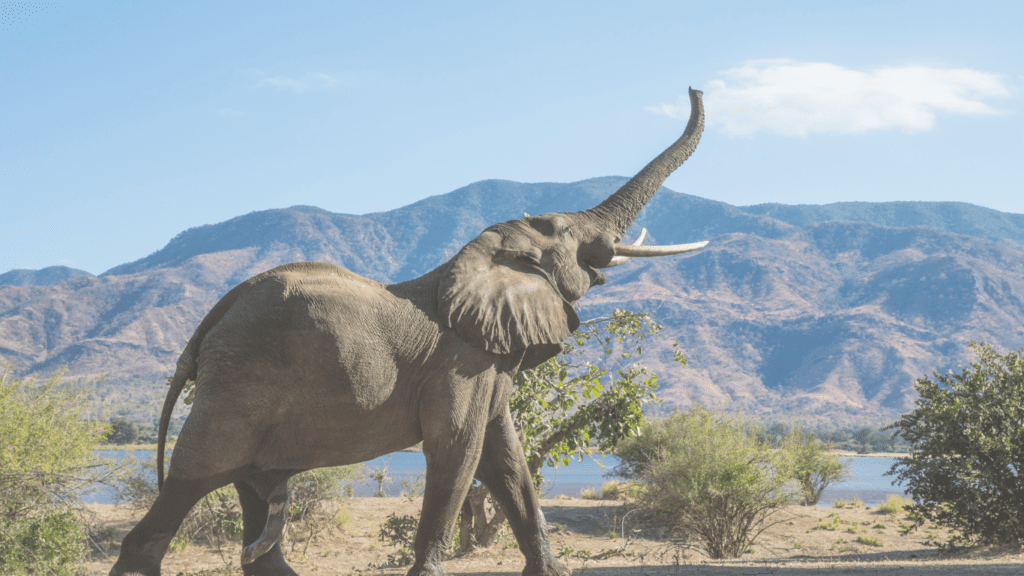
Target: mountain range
(825, 311)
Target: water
(867, 481)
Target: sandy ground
(804, 541)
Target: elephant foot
(427, 569)
(550, 566)
(271, 563)
(135, 566)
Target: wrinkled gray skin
(310, 365)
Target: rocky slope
(825, 313)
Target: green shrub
(813, 468)
(46, 462)
(611, 491)
(869, 541)
(967, 446)
(588, 494)
(309, 491)
(122, 432)
(49, 541)
(710, 477)
(894, 504)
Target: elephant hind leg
(255, 513)
(277, 510)
(143, 549)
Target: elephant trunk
(619, 210)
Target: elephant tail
(188, 364)
(185, 371)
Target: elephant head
(513, 287)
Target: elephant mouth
(597, 278)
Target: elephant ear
(498, 300)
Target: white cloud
(285, 83)
(317, 81)
(800, 98)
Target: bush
(710, 477)
(46, 462)
(894, 504)
(122, 432)
(611, 491)
(309, 491)
(967, 448)
(50, 541)
(813, 469)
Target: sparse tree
(813, 467)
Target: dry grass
(808, 540)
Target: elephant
(310, 365)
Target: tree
(967, 449)
(813, 468)
(46, 461)
(710, 476)
(122, 432)
(591, 395)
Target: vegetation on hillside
(862, 439)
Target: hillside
(819, 315)
(955, 217)
(45, 277)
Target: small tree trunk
(477, 529)
(466, 528)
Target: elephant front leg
(504, 471)
(449, 474)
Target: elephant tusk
(648, 251)
(616, 260)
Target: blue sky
(125, 123)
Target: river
(867, 480)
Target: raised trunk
(619, 210)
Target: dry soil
(803, 541)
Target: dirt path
(805, 541)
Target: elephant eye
(568, 230)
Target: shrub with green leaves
(708, 475)
(122, 432)
(309, 491)
(46, 462)
(967, 449)
(813, 468)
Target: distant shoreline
(851, 454)
(417, 448)
(170, 446)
